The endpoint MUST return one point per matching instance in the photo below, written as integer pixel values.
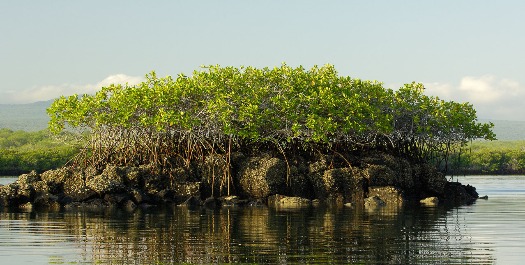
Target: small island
(226, 136)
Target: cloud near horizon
(493, 98)
(43, 93)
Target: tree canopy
(172, 121)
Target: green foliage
(498, 157)
(22, 151)
(172, 122)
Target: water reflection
(247, 235)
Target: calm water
(488, 232)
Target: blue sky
(461, 50)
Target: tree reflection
(260, 235)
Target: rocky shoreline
(374, 181)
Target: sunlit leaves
(281, 105)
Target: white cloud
(480, 89)
(120, 79)
(492, 97)
(47, 92)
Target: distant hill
(33, 117)
(508, 130)
(27, 117)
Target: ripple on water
(486, 232)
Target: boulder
(75, 188)
(129, 206)
(430, 201)
(384, 169)
(211, 203)
(231, 201)
(431, 180)
(116, 199)
(110, 181)
(262, 176)
(390, 195)
(27, 179)
(373, 203)
(192, 202)
(339, 185)
(187, 189)
(9, 195)
(46, 201)
(138, 196)
(27, 207)
(154, 180)
(281, 201)
(457, 194)
(55, 179)
(380, 175)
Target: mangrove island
(230, 136)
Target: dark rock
(146, 206)
(186, 189)
(281, 201)
(139, 196)
(75, 187)
(346, 183)
(116, 199)
(192, 202)
(211, 203)
(432, 181)
(30, 178)
(47, 201)
(231, 201)
(391, 196)
(55, 179)
(41, 187)
(458, 194)
(12, 195)
(167, 196)
(257, 203)
(28, 207)
(386, 170)
(111, 180)
(380, 175)
(134, 177)
(471, 191)
(154, 179)
(383, 178)
(93, 204)
(129, 205)
(259, 177)
(335, 200)
(374, 202)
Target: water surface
(488, 232)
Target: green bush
(174, 122)
(498, 157)
(22, 152)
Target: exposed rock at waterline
(457, 194)
(281, 201)
(374, 202)
(390, 195)
(376, 180)
(262, 176)
(430, 201)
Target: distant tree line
(494, 158)
(22, 152)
